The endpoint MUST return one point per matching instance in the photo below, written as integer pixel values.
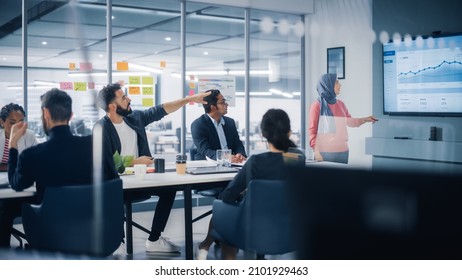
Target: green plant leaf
(117, 160)
(127, 160)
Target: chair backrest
(77, 219)
(267, 217)
(262, 223)
(192, 152)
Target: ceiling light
(100, 55)
(228, 72)
(206, 53)
(104, 74)
(144, 68)
(45, 83)
(275, 91)
(288, 95)
(254, 93)
(44, 43)
(168, 39)
(28, 87)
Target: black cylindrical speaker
(433, 134)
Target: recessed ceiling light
(44, 43)
(113, 17)
(100, 55)
(3, 58)
(168, 38)
(206, 53)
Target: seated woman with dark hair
(275, 127)
(9, 115)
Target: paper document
(232, 164)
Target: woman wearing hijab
(328, 121)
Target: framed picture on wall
(336, 61)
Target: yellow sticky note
(71, 65)
(122, 66)
(80, 86)
(148, 91)
(134, 80)
(134, 90)
(163, 64)
(147, 80)
(147, 102)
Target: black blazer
(206, 139)
(62, 160)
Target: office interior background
(270, 54)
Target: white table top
(9, 193)
(172, 179)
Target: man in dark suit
(213, 131)
(62, 160)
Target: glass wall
(275, 71)
(215, 58)
(68, 49)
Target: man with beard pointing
(124, 132)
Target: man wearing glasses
(213, 131)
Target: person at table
(271, 165)
(9, 115)
(214, 131)
(62, 160)
(124, 131)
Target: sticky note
(80, 86)
(134, 80)
(86, 66)
(66, 86)
(134, 90)
(147, 102)
(148, 91)
(147, 80)
(122, 66)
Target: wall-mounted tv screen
(422, 76)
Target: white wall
(339, 23)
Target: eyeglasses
(223, 101)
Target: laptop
(211, 170)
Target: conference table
(149, 185)
(153, 182)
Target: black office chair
(260, 223)
(65, 220)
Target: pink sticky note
(66, 86)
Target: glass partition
(67, 49)
(215, 58)
(275, 71)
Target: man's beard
(44, 124)
(124, 112)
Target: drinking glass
(224, 157)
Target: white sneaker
(120, 252)
(162, 245)
(200, 254)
